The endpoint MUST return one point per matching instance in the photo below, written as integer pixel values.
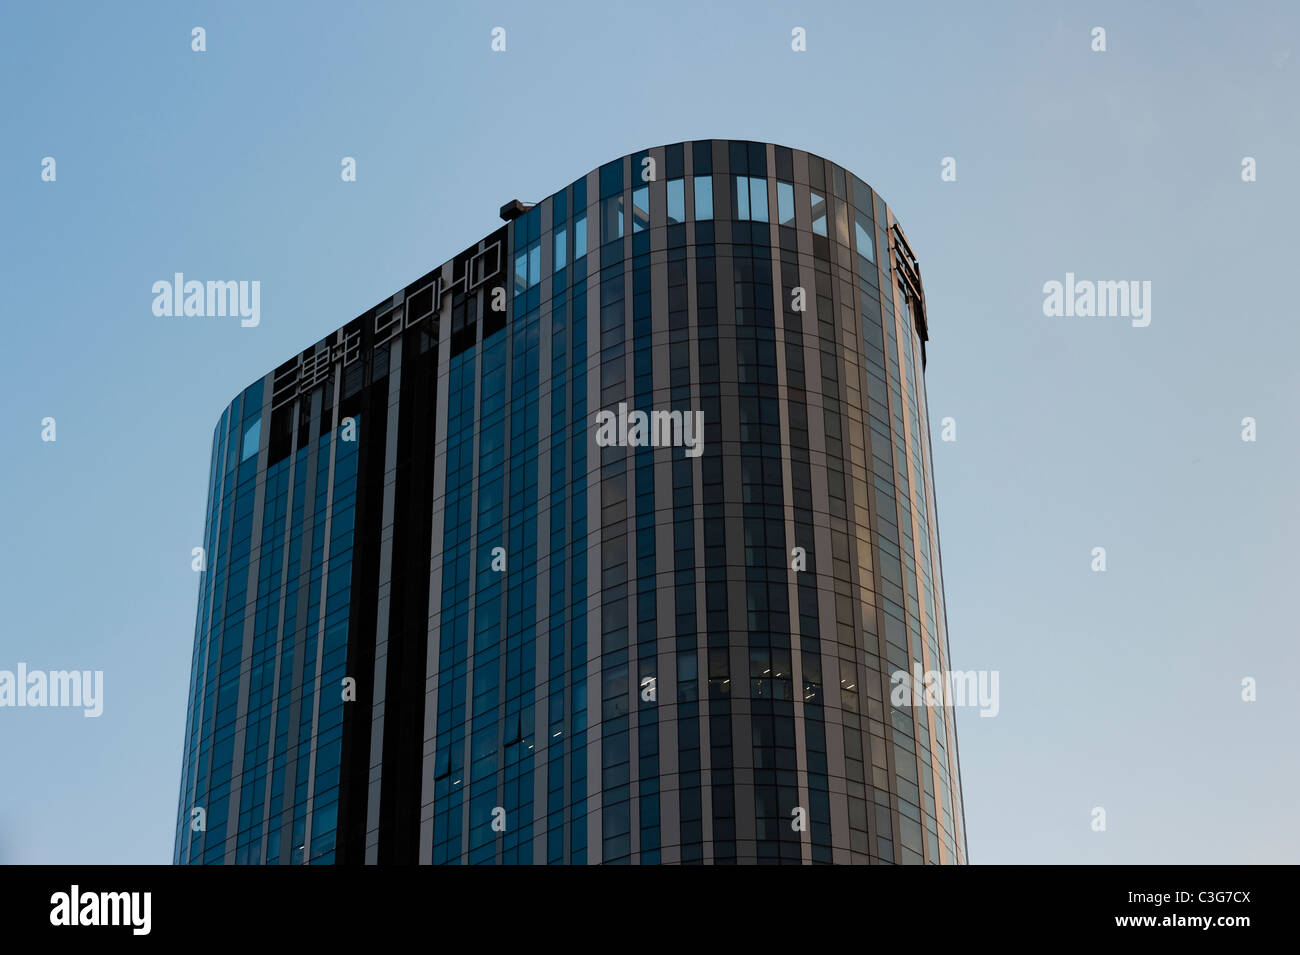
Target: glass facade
(443, 621)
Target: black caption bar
(139, 904)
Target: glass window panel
(742, 197)
(580, 235)
(758, 199)
(561, 237)
(818, 214)
(611, 219)
(785, 203)
(521, 272)
(866, 241)
(676, 201)
(252, 437)
(641, 209)
(703, 197)
(841, 223)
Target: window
(252, 438)
(615, 693)
(751, 198)
(640, 209)
(703, 197)
(528, 267)
(785, 203)
(561, 240)
(866, 243)
(676, 201)
(758, 199)
(818, 214)
(611, 219)
(534, 264)
(580, 235)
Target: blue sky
(1118, 689)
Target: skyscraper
(598, 543)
